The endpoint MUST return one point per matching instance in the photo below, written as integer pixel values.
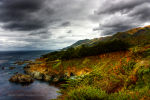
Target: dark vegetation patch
(84, 51)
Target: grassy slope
(111, 76)
(114, 76)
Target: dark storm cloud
(22, 5)
(38, 22)
(123, 6)
(122, 15)
(142, 12)
(24, 15)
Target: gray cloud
(121, 15)
(141, 12)
(123, 6)
(48, 23)
(24, 15)
(39, 23)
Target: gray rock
(37, 75)
(21, 78)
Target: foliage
(86, 93)
(83, 51)
(116, 68)
(125, 79)
(128, 66)
(143, 75)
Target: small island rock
(21, 78)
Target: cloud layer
(54, 24)
(120, 15)
(22, 15)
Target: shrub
(120, 96)
(129, 66)
(143, 77)
(86, 93)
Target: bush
(129, 66)
(143, 77)
(86, 93)
(120, 96)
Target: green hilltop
(134, 36)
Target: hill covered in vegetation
(109, 68)
(133, 36)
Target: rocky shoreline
(47, 77)
(40, 70)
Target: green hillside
(110, 68)
(133, 36)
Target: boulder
(37, 75)
(21, 78)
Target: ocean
(38, 90)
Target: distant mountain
(133, 36)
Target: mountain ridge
(131, 33)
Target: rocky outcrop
(21, 78)
(53, 78)
(37, 75)
(40, 71)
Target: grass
(111, 76)
(86, 93)
(114, 76)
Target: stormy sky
(54, 24)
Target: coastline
(40, 70)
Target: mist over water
(10, 91)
